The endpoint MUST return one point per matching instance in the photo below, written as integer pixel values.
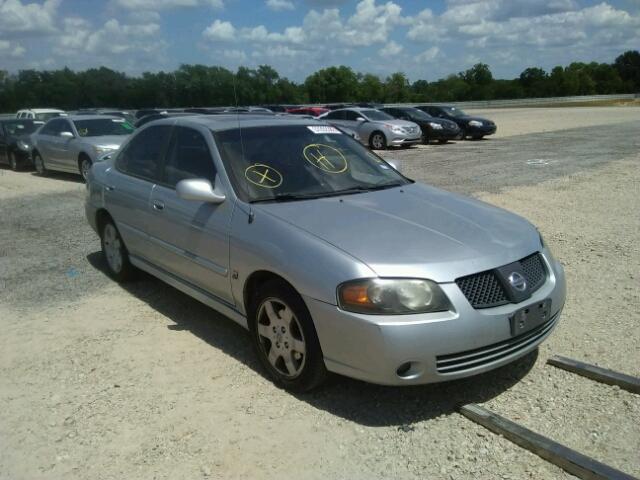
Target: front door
(193, 235)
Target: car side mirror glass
(199, 190)
(66, 134)
(395, 164)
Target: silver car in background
(377, 129)
(332, 259)
(72, 144)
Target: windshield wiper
(287, 197)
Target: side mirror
(395, 164)
(199, 190)
(66, 135)
(361, 119)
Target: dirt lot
(102, 381)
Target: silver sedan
(331, 258)
(72, 144)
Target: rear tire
(115, 253)
(285, 338)
(377, 141)
(38, 163)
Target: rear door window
(143, 155)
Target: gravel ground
(103, 381)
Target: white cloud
(391, 49)
(221, 31)
(428, 55)
(11, 49)
(278, 5)
(155, 5)
(27, 18)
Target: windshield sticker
(320, 129)
(326, 158)
(263, 176)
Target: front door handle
(110, 188)
(158, 205)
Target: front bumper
(399, 140)
(444, 134)
(481, 131)
(372, 347)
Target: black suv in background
(474, 127)
(432, 128)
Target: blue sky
(424, 39)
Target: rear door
(129, 186)
(193, 235)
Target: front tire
(285, 338)
(38, 162)
(84, 165)
(115, 253)
(13, 162)
(377, 141)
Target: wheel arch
(256, 280)
(102, 217)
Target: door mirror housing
(66, 135)
(199, 190)
(395, 164)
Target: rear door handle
(157, 205)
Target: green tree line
(201, 85)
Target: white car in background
(40, 114)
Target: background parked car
(128, 116)
(15, 144)
(313, 111)
(74, 143)
(432, 128)
(41, 114)
(474, 127)
(377, 129)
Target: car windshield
(376, 115)
(99, 127)
(454, 112)
(417, 114)
(43, 117)
(18, 127)
(292, 162)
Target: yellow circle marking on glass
(326, 158)
(263, 176)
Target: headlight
(380, 296)
(103, 149)
(22, 145)
(435, 126)
(475, 123)
(396, 129)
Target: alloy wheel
(280, 338)
(112, 248)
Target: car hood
(395, 121)
(105, 140)
(414, 231)
(468, 118)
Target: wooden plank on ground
(602, 375)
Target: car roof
(41, 110)
(93, 117)
(222, 122)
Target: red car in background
(315, 111)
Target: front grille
(478, 357)
(484, 290)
